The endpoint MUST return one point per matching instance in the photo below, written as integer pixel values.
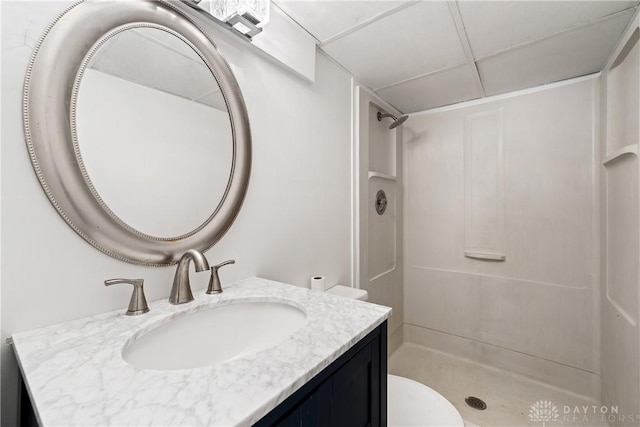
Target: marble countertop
(76, 375)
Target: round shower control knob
(381, 202)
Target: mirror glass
(153, 132)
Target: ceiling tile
(325, 19)
(413, 41)
(158, 60)
(435, 90)
(571, 54)
(213, 99)
(493, 26)
(168, 40)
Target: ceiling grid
(419, 55)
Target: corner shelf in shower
(622, 87)
(627, 149)
(381, 175)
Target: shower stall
(509, 245)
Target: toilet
(409, 403)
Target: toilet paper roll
(317, 283)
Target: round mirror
(137, 129)
(153, 132)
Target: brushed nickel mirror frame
(50, 93)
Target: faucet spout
(181, 289)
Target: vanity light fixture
(245, 17)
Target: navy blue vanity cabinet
(351, 392)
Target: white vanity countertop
(76, 375)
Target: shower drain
(476, 403)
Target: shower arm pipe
(397, 121)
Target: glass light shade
(254, 10)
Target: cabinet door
(351, 392)
(304, 415)
(351, 397)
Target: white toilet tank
(348, 292)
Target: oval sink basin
(214, 335)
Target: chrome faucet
(181, 289)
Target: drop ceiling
(419, 55)
(161, 61)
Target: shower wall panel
(541, 301)
(484, 185)
(382, 228)
(620, 176)
(620, 345)
(378, 248)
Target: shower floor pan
(509, 397)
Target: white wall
(542, 300)
(173, 155)
(295, 221)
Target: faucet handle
(215, 287)
(138, 304)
